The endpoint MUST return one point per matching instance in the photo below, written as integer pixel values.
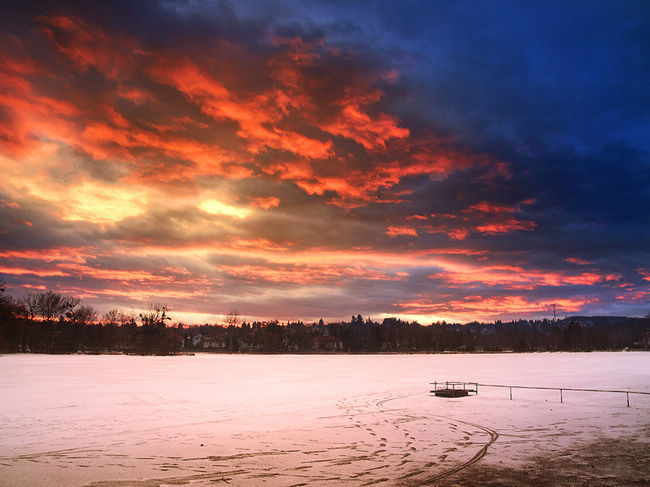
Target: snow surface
(77, 420)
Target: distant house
(326, 343)
(197, 340)
(214, 342)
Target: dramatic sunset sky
(429, 160)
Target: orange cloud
(104, 141)
(309, 274)
(486, 308)
(29, 114)
(291, 114)
(259, 244)
(356, 187)
(645, 272)
(498, 221)
(397, 231)
(19, 271)
(460, 251)
(487, 207)
(354, 124)
(506, 226)
(64, 254)
(253, 113)
(514, 277)
(266, 203)
(634, 296)
(483, 217)
(89, 46)
(134, 95)
(99, 129)
(130, 275)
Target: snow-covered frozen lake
(281, 420)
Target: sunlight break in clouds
(216, 207)
(296, 166)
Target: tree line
(50, 322)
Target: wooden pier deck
(462, 389)
(453, 389)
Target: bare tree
(50, 305)
(156, 314)
(30, 301)
(117, 317)
(111, 317)
(4, 300)
(83, 315)
(232, 318)
(9, 307)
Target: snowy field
(283, 420)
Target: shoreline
(342, 353)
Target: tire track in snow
(480, 454)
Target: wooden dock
(453, 389)
(462, 389)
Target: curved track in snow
(480, 454)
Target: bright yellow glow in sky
(82, 200)
(95, 203)
(216, 207)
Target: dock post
(435, 386)
(511, 393)
(561, 398)
(477, 388)
(628, 399)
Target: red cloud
(32, 271)
(486, 207)
(498, 217)
(266, 203)
(479, 307)
(483, 217)
(505, 226)
(397, 231)
(514, 277)
(645, 272)
(354, 124)
(634, 296)
(311, 274)
(290, 111)
(68, 254)
(254, 114)
(89, 46)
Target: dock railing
(474, 386)
(465, 386)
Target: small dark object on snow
(451, 392)
(453, 389)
